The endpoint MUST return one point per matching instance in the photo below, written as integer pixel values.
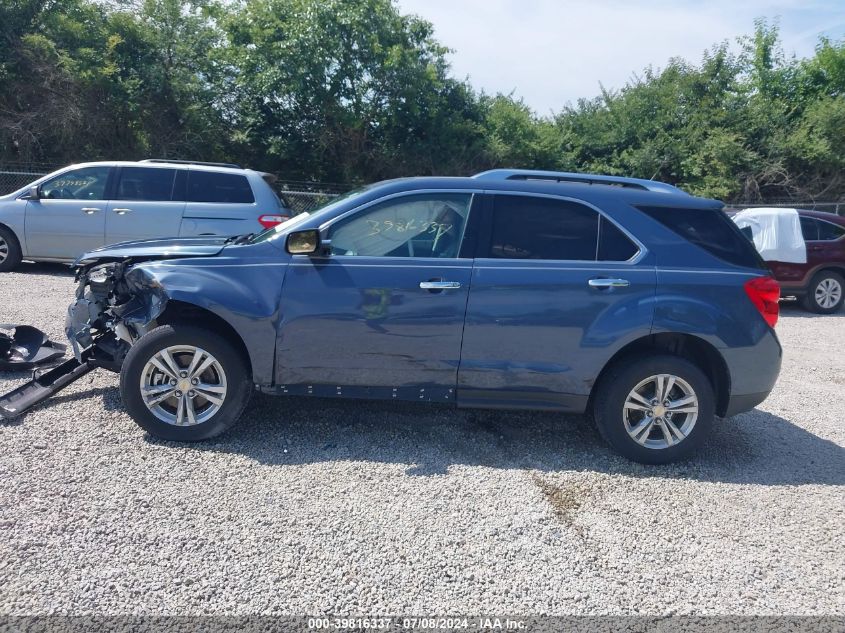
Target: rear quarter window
(710, 229)
(209, 186)
(829, 231)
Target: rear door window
(614, 245)
(809, 229)
(145, 183)
(710, 229)
(531, 227)
(210, 186)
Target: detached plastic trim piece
(42, 387)
(27, 348)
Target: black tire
(810, 300)
(609, 407)
(11, 255)
(235, 367)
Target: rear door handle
(602, 282)
(122, 211)
(89, 210)
(440, 285)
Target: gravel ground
(314, 506)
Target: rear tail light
(764, 293)
(270, 220)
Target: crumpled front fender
(250, 309)
(149, 299)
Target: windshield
(297, 219)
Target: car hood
(160, 248)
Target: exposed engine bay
(114, 306)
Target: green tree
(82, 80)
(355, 91)
(345, 90)
(516, 137)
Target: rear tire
(825, 293)
(203, 380)
(10, 250)
(634, 421)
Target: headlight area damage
(115, 305)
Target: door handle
(89, 210)
(122, 211)
(602, 282)
(440, 285)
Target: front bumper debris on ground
(42, 387)
(98, 327)
(26, 347)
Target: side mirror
(33, 193)
(305, 242)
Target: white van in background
(81, 207)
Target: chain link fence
(300, 201)
(299, 196)
(13, 178)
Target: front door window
(87, 183)
(427, 225)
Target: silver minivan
(81, 207)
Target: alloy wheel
(4, 250)
(828, 293)
(660, 411)
(183, 385)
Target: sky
(550, 52)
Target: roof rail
(589, 179)
(190, 162)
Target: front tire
(826, 293)
(654, 409)
(10, 250)
(184, 383)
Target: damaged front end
(117, 301)
(115, 305)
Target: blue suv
(627, 299)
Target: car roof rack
(190, 162)
(589, 179)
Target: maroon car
(820, 283)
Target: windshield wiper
(239, 239)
